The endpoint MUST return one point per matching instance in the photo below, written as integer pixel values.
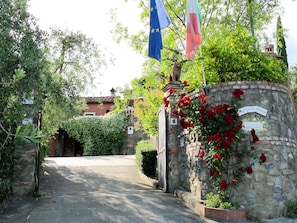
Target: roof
(102, 99)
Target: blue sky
(91, 18)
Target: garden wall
(24, 170)
(268, 108)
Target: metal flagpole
(202, 66)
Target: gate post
(173, 130)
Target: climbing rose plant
(219, 128)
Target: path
(97, 189)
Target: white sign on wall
(130, 130)
(248, 126)
(252, 109)
(251, 122)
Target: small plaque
(248, 126)
(252, 109)
(130, 130)
(26, 121)
(173, 121)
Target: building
(62, 144)
(98, 106)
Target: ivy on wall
(98, 135)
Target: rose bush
(219, 128)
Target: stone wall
(264, 192)
(24, 170)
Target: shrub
(98, 135)
(145, 158)
(149, 161)
(215, 201)
(291, 209)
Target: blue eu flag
(159, 19)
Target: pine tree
(280, 41)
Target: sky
(91, 18)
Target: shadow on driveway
(109, 189)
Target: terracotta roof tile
(99, 99)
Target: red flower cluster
(263, 158)
(219, 127)
(166, 102)
(223, 185)
(249, 170)
(217, 156)
(213, 172)
(255, 137)
(237, 93)
(201, 154)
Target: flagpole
(202, 66)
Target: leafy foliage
(23, 74)
(291, 209)
(224, 152)
(99, 135)
(74, 59)
(230, 50)
(232, 56)
(214, 200)
(141, 147)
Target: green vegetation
(291, 209)
(98, 135)
(52, 69)
(230, 51)
(145, 158)
(214, 200)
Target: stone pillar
(173, 143)
(24, 170)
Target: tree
(23, 74)
(280, 42)
(230, 51)
(75, 60)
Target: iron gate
(162, 153)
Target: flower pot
(219, 213)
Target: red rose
(252, 148)
(255, 137)
(185, 82)
(263, 158)
(166, 102)
(210, 114)
(249, 170)
(229, 119)
(175, 112)
(217, 156)
(223, 185)
(213, 172)
(234, 181)
(202, 96)
(172, 90)
(182, 114)
(226, 143)
(201, 154)
(183, 123)
(237, 93)
(239, 126)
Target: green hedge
(98, 135)
(146, 158)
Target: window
(89, 114)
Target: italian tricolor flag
(194, 34)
